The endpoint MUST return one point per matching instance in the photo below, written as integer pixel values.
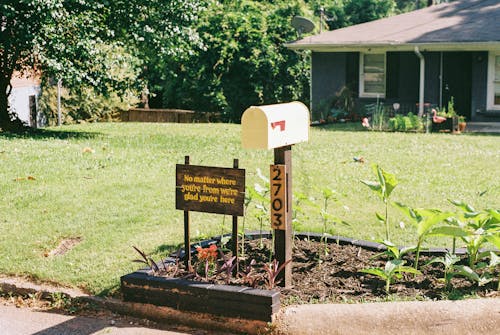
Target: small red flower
(208, 254)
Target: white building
(23, 100)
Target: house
(23, 99)
(417, 59)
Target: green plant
(494, 259)
(425, 221)
(448, 261)
(383, 187)
(451, 108)
(392, 270)
(377, 111)
(299, 210)
(476, 229)
(60, 300)
(410, 122)
(393, 251)
(327, 218)
(259, 194)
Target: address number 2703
(278, 196)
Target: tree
(60, 37)
(242, 62)
(344, 13)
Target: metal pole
(187, 242)
(59, 84)
(234, 236)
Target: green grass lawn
(113, 186)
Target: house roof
(25, 80)
(457, 25)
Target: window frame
(362, 93)
(490, 101)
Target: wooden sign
(278, 197)
(210, 189)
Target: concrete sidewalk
(473, 316)
(24, 321)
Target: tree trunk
(4, 104)
(6, 124)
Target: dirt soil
(330, 273)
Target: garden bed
(325, 272)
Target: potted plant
(461, 123)
(445, 119)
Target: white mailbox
(274, 126)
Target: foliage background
(206, 55)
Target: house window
(372, 75)
(494, 82)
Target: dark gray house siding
(328, 77)
(464, 77)
(479, 85)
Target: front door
(457, 81)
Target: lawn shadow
(481, 134)
(44, 134)
(345, 126)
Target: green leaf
(406, 210)
(448, 231)
(495, 240)
(462, 205)
(494, 260)
(494, 214)
(408, 269)
(390, 182)
(373, 186)
(467, 272)
(426, 224)
(392, 265)
(375, 271)
(379, 217)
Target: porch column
(422, 82)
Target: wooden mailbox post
(278, 127)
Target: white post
(422, 83)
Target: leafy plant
(393, 251)
(451, 108)
(383, 187)
(299, 209)
(259, 194)
(494, 259)
(476, 229)
(448, 261)
(392, 270)
(326, 217)
(480, 279)
(378, 115)
(425, 221)
(273, 269)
